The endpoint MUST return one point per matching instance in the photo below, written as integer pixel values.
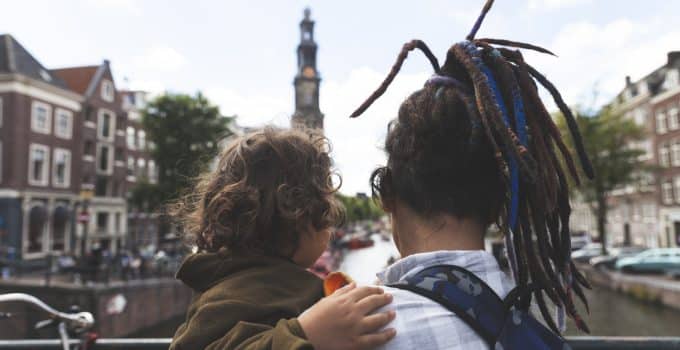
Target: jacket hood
(200, 271)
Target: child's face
(311, 246)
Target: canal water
(612, 314)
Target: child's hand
(343, 320)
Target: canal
(612, 314)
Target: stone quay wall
(119, 309)
(655, 289)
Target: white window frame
(675, 153)
(107, 91)
(100, 125)
(141, 166)
(667, 192)
(64, 134)
(660, 122)
(131, 138)
(663, 155)
(141, 139)
(67, 168)
(676, 189)
(48, 118)
(152, 170)
(108, 171)
(45, 178)
(672, 117)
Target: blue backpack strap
(501, 323)
(462, 293)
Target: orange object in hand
(335, 281)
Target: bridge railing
(577, 343)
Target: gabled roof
(77, 79)
(14, 58)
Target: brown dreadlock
(477, 141)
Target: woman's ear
(387, 204)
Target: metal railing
(577, 343)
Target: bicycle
(76, 322)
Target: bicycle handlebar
(80, 321)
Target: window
(106, 125)
(660, 122)
(663, 155)
(131, 166)
(676, 154)
(63, 123)
(119, 154)
(153, 172)
(38, 165)
(142, 139)
(667, 192)
(102, 222)
(104, 159)
(131, 137)
(37, 228)
(141, 165)
(676, 188)
(118, 222)
(673, 119)
(101, 187)
(62, 168)
(60, 218)
(89, 148)
(41, 117)
(108, 93)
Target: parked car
(613, 255)
(589, 251)
(665, 260)
(580, 240)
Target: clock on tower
(307, 113)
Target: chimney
(674, 58)
(628, 82)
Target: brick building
(40, 154)
(141, 168)
(648, 213)
(70, 143)
(103, 169)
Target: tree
(186, 131)
(609, 140)
(360, 207)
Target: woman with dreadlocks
(475, 147)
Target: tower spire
(307, 80)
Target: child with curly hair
(259, 220)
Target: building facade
(307, 80)
(40, 154)
(648, 212)
(72, 147)
(141, 169)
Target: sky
(241, 54)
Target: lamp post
(84, 218)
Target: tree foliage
(609, 139)
(360, 207)
(186, 131)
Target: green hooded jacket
(245, 302)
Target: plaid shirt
(423, 324)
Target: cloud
(130, 6)
(159, 58)
(252, 110)
(357, 143)
(547, 5)
(596, 58)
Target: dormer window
(672, 79)
(108, 93)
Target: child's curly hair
(268, 188)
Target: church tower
(307, 113)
